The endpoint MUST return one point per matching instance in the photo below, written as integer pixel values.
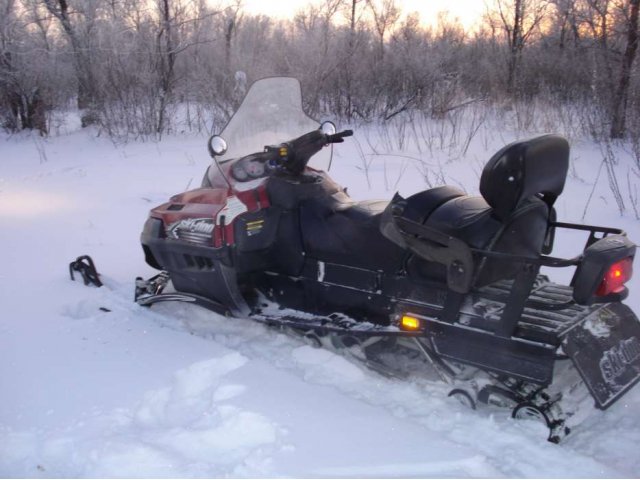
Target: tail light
(604, 268)
(615, 277)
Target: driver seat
(519, 186)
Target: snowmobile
(450, 280)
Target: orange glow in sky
(31, 203)
(467, 11)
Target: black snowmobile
(448, 279)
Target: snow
(176, 391)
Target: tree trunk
(24, 112)
(86, 85)
(228, 36)
(619, 109)
(516, 46)
(347, 71)
(167, 65)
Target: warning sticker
(254, 227)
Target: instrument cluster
(249, 168)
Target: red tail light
(618, 274)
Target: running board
(334, 323)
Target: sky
(468, 11)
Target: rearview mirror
(217, 146)
(328, 128)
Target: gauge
(254, 168)
(238, 172)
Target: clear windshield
(270, 113)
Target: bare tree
(385, 15)
(8, 82)
(22, 103)
(596, 16)
(565, 21)
(82, 54)
(166, 58)
(232, 17)
(519, 19)
(618, 120)
(353, 16)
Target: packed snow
(93, 385)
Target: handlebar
(339, 137)
(292, 156)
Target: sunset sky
(468, 11)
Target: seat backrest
(537, 166)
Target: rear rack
(464, 263)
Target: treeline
(133, 67)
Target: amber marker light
(409, 323)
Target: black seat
(339, 230)
(335, 228)
(519, 186)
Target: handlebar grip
(339, 137)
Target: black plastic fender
(605, 349)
